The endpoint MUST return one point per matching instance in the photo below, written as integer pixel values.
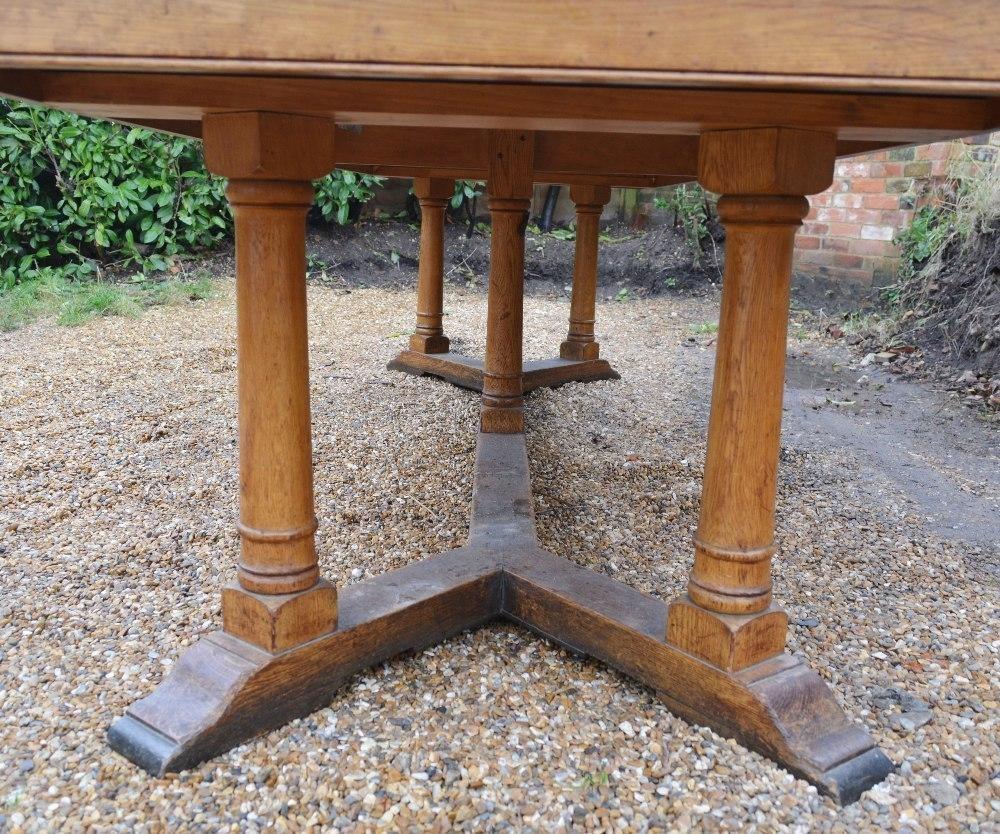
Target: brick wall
(849, 232)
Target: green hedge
(77, 194)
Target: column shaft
(735, 537)
(580, 343)
(276, 481)
(433, 196)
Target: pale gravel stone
(117, 499)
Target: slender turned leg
(278, 600)
(727, 617)
(433, 194)
(590, 202)
(511, 156)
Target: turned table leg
(278, 599)
(511, 155)
(727, 617)
(433, 195)
(589, 202)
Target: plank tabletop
(886, 74)
(842, 44)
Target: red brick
(850, 168)
(937, 150)
(848, 200)
(873, 247)
(806, 242)
(893, 169)
(864, 216)
(881, 201)
(837, 244)
(845, 229)
(872, 185)
(828, 214)
(899, 219)
(849, 261)
(820, 229)
(877, 232)
(814, 256)
(940, 167)
(823, 199)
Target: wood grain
(270, 158)
(892, 119)
(509, 186)
(277, 522)
(893, 42)
(780, 708)
(224, 691)
(762, 175)
(580, 343)
(467, 372)
(428, 335)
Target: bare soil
(379, 253)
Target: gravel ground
(117, 500)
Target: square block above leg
(579, 351)
(276, 622)
(429, 344)
(728, 641)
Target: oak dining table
(755, 101)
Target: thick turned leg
(590, 202)
(428, 336)
(511, 155)
(278, 601)
(727, 617)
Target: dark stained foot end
(141, 744)
(224, 691)
(847, 781)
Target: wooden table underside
(754, 101)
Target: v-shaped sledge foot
(224, 691)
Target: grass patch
(90, 301)
(705, 327)
(73, 303)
